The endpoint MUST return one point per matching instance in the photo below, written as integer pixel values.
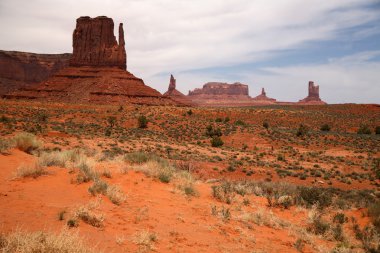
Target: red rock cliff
(94, 43)
(20, 69)
(313, 96)
(214, 88)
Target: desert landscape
(93, 159)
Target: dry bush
(35, 170)
(43, 242)
(145, 239)
(53, 159)
(115, 194)
(86, 170)
(262, 217)
(27, 142)
(86, 214)
(5, 145)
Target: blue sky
(278, 45)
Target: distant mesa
(20, 69)
(176, 95)
(263, 97)
(313, 96)
(224, 94)
(96, 72)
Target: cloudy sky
(276, 44)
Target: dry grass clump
(43, 242)
(115, 194)
(86, 214)
(145, 239)
(5, 145)
(35, 170)
(27, 142)
(262, 217)
(86, 171)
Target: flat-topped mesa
(215, 88)
(313, 96)
(94, 44)
(263, 97)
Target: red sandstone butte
(176, 95)
(97, 71)
(313, 97)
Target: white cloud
(180, 35)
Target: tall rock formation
(262, 98)
(94, 44)
(97, 71)
(313, 96)
(21, 69)
(176, 95)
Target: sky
(280, 45)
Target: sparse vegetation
(142, 121)
(27, 142)
(34, 170)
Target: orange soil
(181, 224)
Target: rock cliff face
(176, 95)
(94, 44)
(313, 96)
(263, 97)
(97, 71)
(20, 69)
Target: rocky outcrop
(96, 73)
(221, 89)
(313, 96)
(221, 94)
(263, 97)
(94, 44)
(21, 69)
(176, 95)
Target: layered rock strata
(21, 69)
(313, 96)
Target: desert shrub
(142, 122)
(86, 171)
(325, 128)
(98, 187)
(145, 239)
(311, 196)
(226, 119)
(374, 214)
(302, 130)
(218, 120)
(340, 218)
(141, 157)
(364, 129)
(111, 120)
(266, 124)
(43, 242)
(223, 192)
(377, 130)
(72, 223)
(55, 158)
(216, 141)
(5, 145)
(190, 112)
(115, 194)
(88, 216)
(35, 170)
(240, 123)
(337, 232)
(27, 142)
(318, 226)
(211, 132)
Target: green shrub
(364, 129)
(311, 196)
(325, 128)
(377, 130)
(302, 130)
(265, 124)
(216, 141)
(240, 123)
(142, 122)
(27, 142)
